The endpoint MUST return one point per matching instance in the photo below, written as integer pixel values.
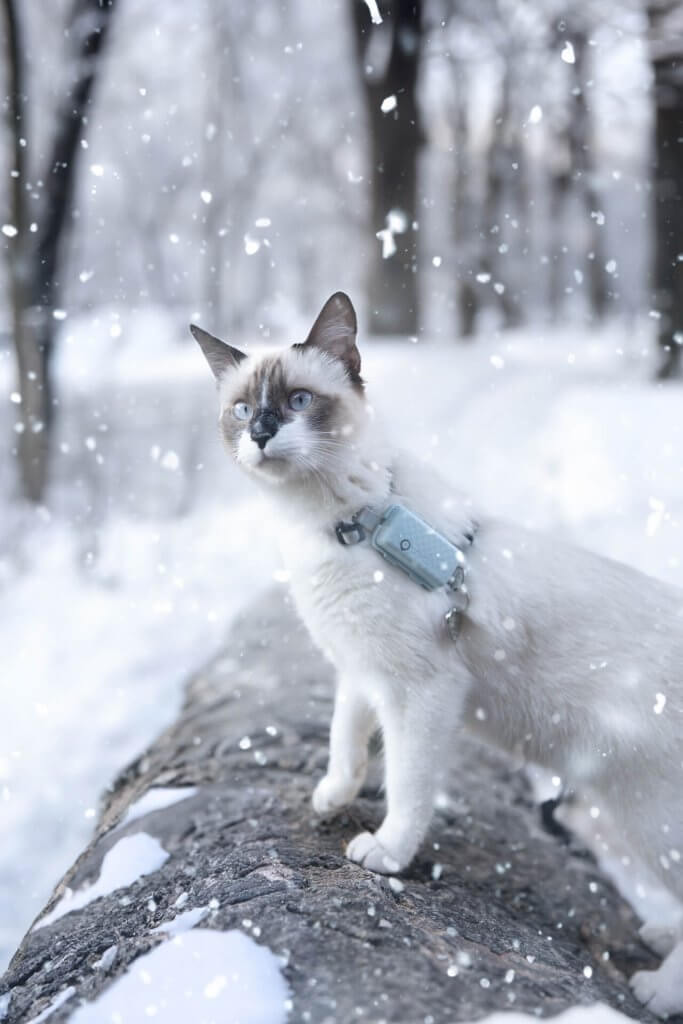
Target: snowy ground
(110, 601)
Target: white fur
(560, 659)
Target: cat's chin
(272, 470)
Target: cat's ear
(219, 355)
(335, 331)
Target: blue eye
(241, 411)
(300, 399)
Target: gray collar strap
(356, 530)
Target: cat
(570, 659)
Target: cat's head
(295, 413)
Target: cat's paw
(332, 794)
(661, 939)
(365, 849)
(661, 991)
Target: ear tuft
(219, 355)
(334, 332)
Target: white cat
(572, 660)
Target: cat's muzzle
(264, 427)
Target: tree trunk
(466, 231)
(560, 192)
(498, 167)
(395, 139)
(583, 173)
(34, 257)
(464, 933)
(29, 359)
(667, 62)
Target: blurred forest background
(496, 183)
(510, 159)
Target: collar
(428, 557)
(355, 530)
(366, 520)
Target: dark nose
(264, 427)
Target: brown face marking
(270, 379)
(322, 414)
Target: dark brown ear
(219, 355)
(335, 331)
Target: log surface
(490, 893)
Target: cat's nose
(263, 428)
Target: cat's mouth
(272, 464)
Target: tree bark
(573, 181)
(583, 173)
(464, 933)
(395, 140)
(499, 165)
(34, 256)
(30, 369)
(666, 46)
(466, 229)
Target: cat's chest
(332, 583)
(356, 606)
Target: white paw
(331, 794)
(660, 991)
(366, 850)
(661, 939)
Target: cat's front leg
(416, 733)
(353, 722)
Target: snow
(207, 977)
(127, 861)
(182, 922)
(58, 1001)
(374, 12)
(595, 1014)
(660, 701)
(107, 958)
(4, 1004)
(396, 224)
(126, 608)
(155, 799)
(567, 54)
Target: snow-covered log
(210, 888)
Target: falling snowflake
(170, 461)
(568, 55)
(374, 12)
(396, 224)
